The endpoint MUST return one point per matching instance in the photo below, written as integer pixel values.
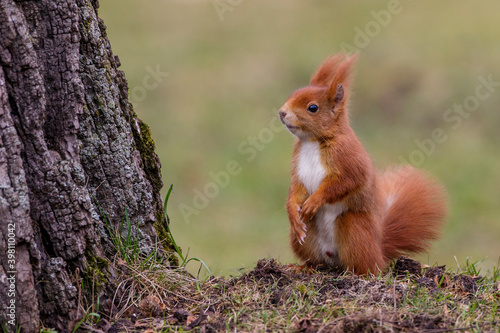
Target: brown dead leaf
(446, 311)
(304, 325)
(155, 324)
(151, 306)
(190, 320)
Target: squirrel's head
(318, 111)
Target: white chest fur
(310, 170)
(311, 173)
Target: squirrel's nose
(282, 114)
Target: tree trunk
(70, 143)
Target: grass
(184, 258)
(127, 246)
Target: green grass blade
(177, 249)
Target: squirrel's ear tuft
(342, 78)
(325, 73)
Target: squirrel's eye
(312, 108)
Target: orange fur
(342, 213)
(416, 216)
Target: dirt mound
(274, 297)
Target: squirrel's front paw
(299, 229)
(309, 209)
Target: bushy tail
(415, 212)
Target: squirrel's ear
(339, 95)
(325, 73)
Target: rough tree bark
(68, 134)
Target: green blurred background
(232, 63)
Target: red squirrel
(342, 212)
